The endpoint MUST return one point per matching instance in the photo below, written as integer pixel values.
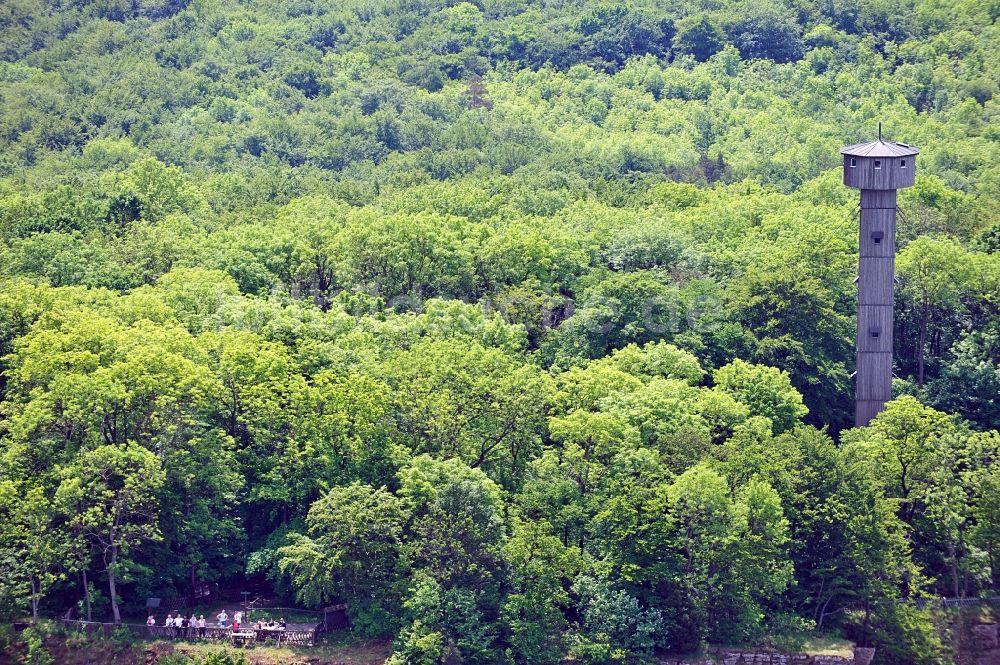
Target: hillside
(526, 329)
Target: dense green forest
(523, 328)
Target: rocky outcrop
(985, 643)
(863, 655)
(976, 639)
(984, 636)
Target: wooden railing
(213, 633)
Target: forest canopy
(525, 329)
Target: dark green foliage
(970, 380)
(762, 30)
(906, 634)
(699, 36)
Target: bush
(225, 658)
(122, 635)
(37, 653)
(7, 637)
(907, 635)
(175, 659)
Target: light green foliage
(444, 319)
(765, 391)
(470, 402)
(456, 551)
(703, 516)
(37, 653)
(986, 511)
(197, 297)
(404, 258)
(657, 360)
(932, 467)
(351, 553)
(762, 531)
(588, 387)
(538, 251)
(97, 380)
(902, 442)
(935, 272)
(668, 418)
(730, 547)
(423, 478)
(312, 224)
(534, 608)
(111, 495)
(34, 549)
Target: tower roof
(879, 148)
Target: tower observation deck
(878, 169)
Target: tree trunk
(323, 287)
(86, 593)
(194, 599)
(822, 612)
(111, 586)
(34, 600)
(965, 571)
(924, 313)
(819, 597)
(953, 555)
(864, 624)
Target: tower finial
(880, 131)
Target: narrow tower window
(875, 331)
(878, 164)
(902, 163)
(854, 162)
(877, 237)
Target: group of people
(182, 626)
(271, 624)
(195, 626)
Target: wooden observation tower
(878, 169)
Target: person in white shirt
(223, 618)
(201, 626)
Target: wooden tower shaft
(878, 169)
(876, 271)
